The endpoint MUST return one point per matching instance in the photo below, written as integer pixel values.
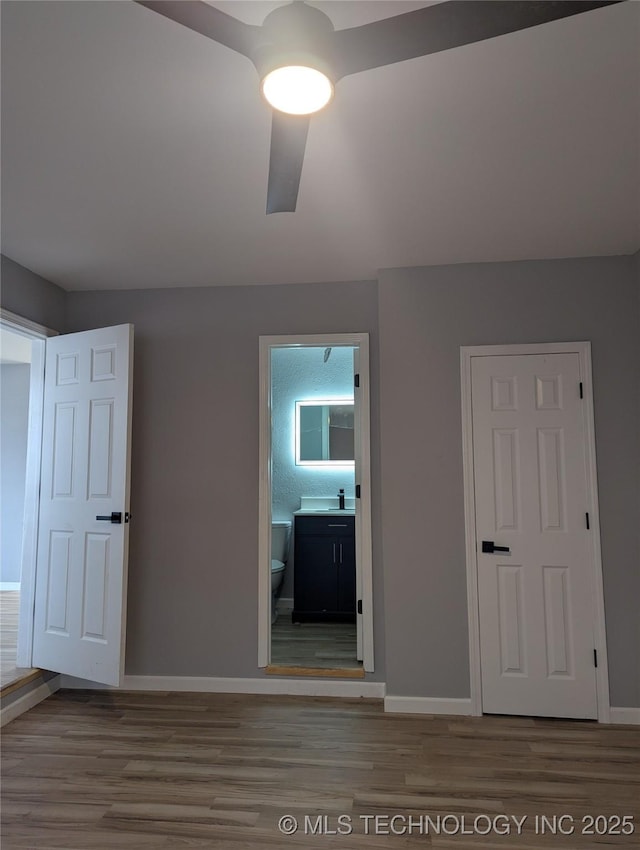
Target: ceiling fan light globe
(297, 89)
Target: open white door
(81, 571)
(357, 424)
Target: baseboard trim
(31, 676)
(628, 716)
(9, 585)
(208, 684)
(285, 605)
(427, 705)
(293, 687)
(29, 700)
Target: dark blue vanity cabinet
(324, 577)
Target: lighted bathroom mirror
(324, 432)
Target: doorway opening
(315, 581)
(22, 366)
(73, 568)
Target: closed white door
(535, 589)
(81, 570)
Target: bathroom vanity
(324, 567)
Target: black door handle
(116, 517)
(489, 546)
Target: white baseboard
(271, 685)
(267, 685)
(9, 585)
(427, 705)
(285, 605)
(436, 705)
(630, 716)
(28, 700)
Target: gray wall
(635, 271)
(425, 315)
(31, 296)
(14, 411)
(194, 537)
(193, 598)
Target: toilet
(280, 534)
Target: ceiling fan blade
(209, 21)
(440, 27)
(288, 141)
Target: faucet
(341, 498)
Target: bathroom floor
(331, 645)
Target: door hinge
(359, 606)
(586, 516)
(595, 657)
(581, 390)
(357, 491)
(356, 380)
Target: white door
(536, 598)
(357, 447)
(81, 569)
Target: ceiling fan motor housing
(295, 34)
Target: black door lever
(116, 517)
(489, 546)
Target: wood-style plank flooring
(9, 608)
(107, 770)
(322, 645)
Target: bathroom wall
(298, 374)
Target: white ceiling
(135, 152)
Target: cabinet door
(315, 574)
(346, 558)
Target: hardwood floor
(87, 770)
(322, 645)
(9, 608)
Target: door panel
(80, 597)
(347, 574)
(511, 620)
(556, 619)
(506, 479)
(536, 600)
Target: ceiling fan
(299, 36)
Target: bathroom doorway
(314, 476)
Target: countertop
(325, 512)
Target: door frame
(583, 350)
(363, 507)
(38, 335)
